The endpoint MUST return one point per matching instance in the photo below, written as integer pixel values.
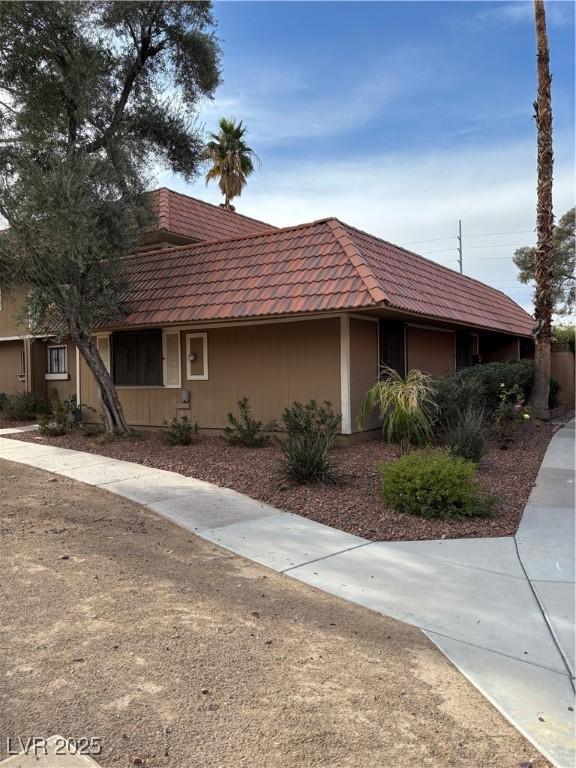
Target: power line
(439, 250)
(493, 234)
(435, 240)
(483, 234)
(501, 245)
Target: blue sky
(399, 118)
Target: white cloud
(407, 198)
(520, 12)
(280, 105)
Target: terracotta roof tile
(200, 221)
(322, 266)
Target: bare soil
(119, 625)
(354, 504)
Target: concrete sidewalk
(498, 608)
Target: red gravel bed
(355, 504)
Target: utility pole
(460, 244)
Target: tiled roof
(322, 266)
(188, 217)
(416, 284)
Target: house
(222, 306)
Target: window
(137, 358)
(23, 362)
(57, 362)
(196, 356)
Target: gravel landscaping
(354, 505)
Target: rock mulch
(353, 505)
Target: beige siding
(363, 366)
(10, 367)
(12, 303)
(431, 351)
(273, 364)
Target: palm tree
(544, 274)
(232, 159)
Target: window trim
(197, 376)
(165, 333)
(61, 375)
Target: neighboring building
(241, 308)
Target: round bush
(433, 483)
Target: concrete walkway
(18, 430)
(500, 609)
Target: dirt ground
(355, 504)
(119, 625)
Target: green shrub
(181, 431)
(51, 428)
(479, 387)
(554, 395)
(244, 429)
(566, 334)
(406, 407)
(91, 430)
(3, 398)
(25, 406)
(510, 414)
(433, 483)
(311, 430)
(59, 421)
(467, 434)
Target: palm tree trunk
(114, 419)
(543, 297)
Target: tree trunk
(544, 294)
(114, 419)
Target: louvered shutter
(103, 346)
(171, 358)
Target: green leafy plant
(479, 387)
(25, 406)
(566, 334)
(91, 430)
(59, 421)
(311, 430)
(244, 429)
(433, 483)
(467, 435)
(3, 398)
(181, 431)
(510, 414)
(406, 406)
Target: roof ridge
(358, 262)
(212, 205)
(201, 243)
(431, 261)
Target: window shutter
(171, 358)
(103, 346)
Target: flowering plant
(510, 413)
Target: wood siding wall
(273, 364)
(10, 367)
(431, 351)
(363, 367)
(12, 303)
